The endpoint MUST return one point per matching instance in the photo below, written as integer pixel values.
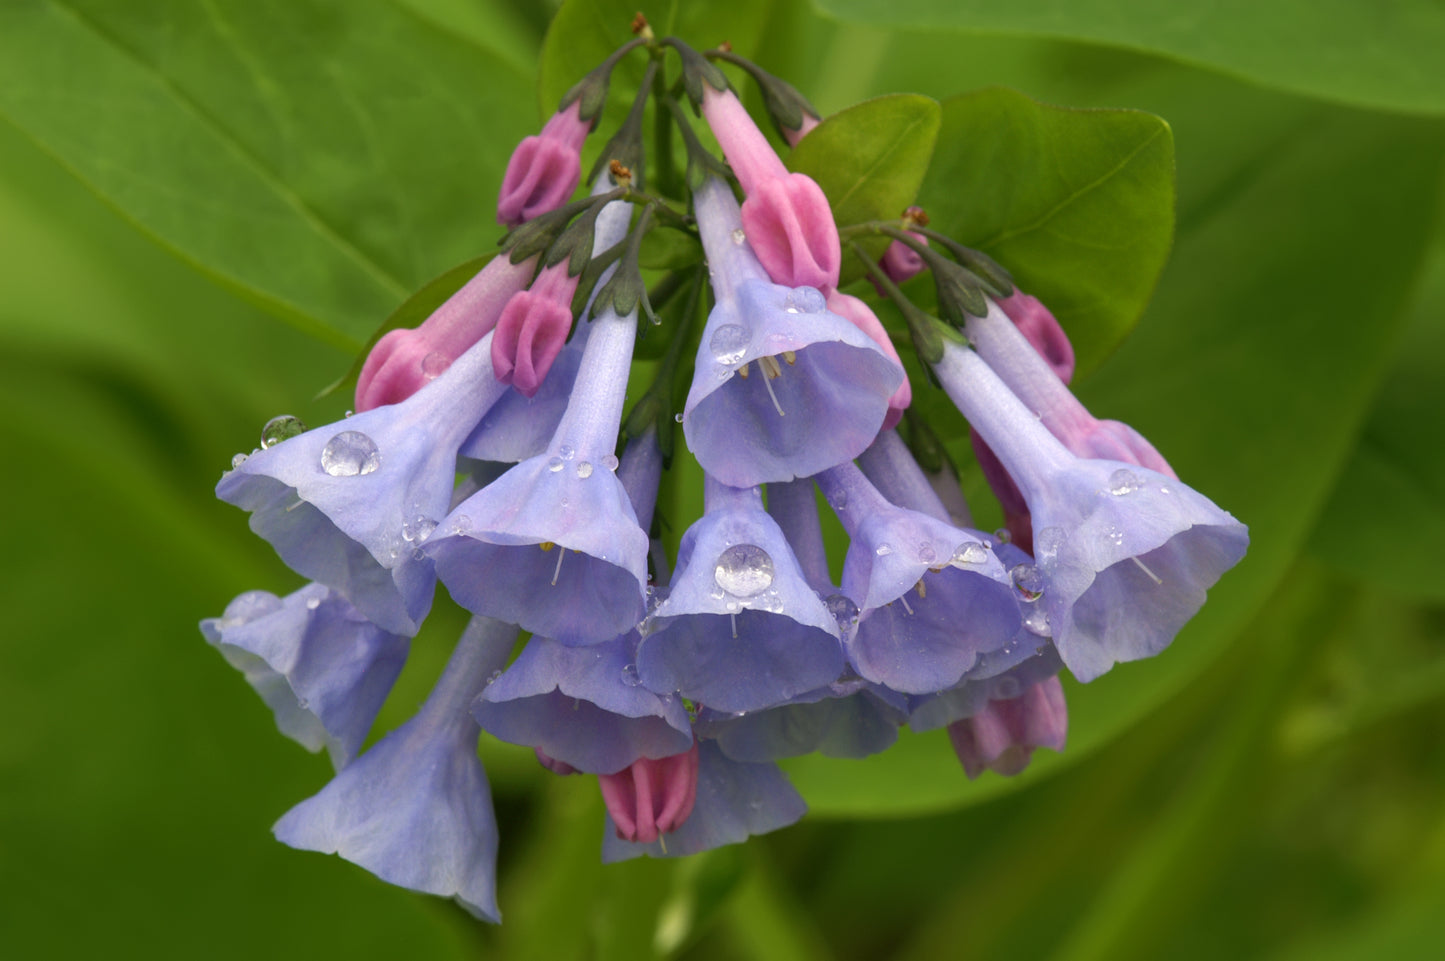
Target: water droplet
(350, 453)
(313, 603)
(566, 451)
(1123, 482)
(462, 523)
(630, 677)
(677, 417)
(281, 428)
(435, 364)
(493, 676)
(926, 554)
(738, 236)
(1165, 490)
(418, 529)
(1048, 541)
(839, 499)
(1003, 536)
(554, 465)
(729, 343)
(237, 461)
(1029, 582)
(609, 461)
(1006, 688)
(844, 611)
(348, 413)
(970, 553)
(883, 550)
(1036, 621)
(808, 300)
(1115, 535)
(584, 469)
(744, 570)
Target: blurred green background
(204, 208)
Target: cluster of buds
(679, 681)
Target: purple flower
(931, 597)
(783, 388)
(740, 629)
(322, 668)
(415, 810)
(1126, 554)
(554, 544)
(348, 504)
(733, 802)
(1001, 736)
(1039, 663)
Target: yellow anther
(770, 367)
(791, 356)
(546, 546)
(922, 591)
(743, 371)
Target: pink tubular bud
(861, 315)
(1036, 323)
(790, 226)
(405, 360)
(1002, 736)
(901, 262)
(533, 329)
(552, 764)
(544, 169)
(650, 798)
(746, 148)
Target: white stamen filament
(735, 625)
(558, 571)
(903, 598)
(1152, 576)
(768, 383)
(298, 503)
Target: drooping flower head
(783, 388)
(322, 668)
(415, 809)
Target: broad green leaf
(325, 160)
(1386, 518)
(1249, 377)
(1077, 204)
(1355, 51)
(870, 159)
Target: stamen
(743, 371)
(546, 546)
(1152, 576)
(558, 571)
(922, 591)
(791, 357)
(769, 365)
(903, 599)
(767, 382)
(662, 842)
(298, 503)
(735, 625)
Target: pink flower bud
(405, 360)
(1002, 736)
(901, 262)
(650, 798)
(533, 328)
(861, 315)
(1036, 323)
(790, 226)
(544, 169)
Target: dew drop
(1003, 536)
(926, 554)
(418, 529)
(350, 453)
(435, 364)
(844, 611)
(555, 464)
(584, 469)
(677, 417)
(738, 236)
(1123, 482)
(566, 452)
(281, 428)
(1006, 688)
(883, 550)
(237, 461)
(1028, 581)
(609, 461)
(1048, 541)
(463, 523)
(744, 570)
(313, 603)
(729, 343)
(807, 300)
(1036, 621)
(839, 500)
(493, 676)
(1115, 535)
(970, 553)
(630, 677)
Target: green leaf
(322, 159)
(415, 309)
(1248, 376)
(1386, 519)
(1354, 51)
(870, 159)
(665, 248)
(1077, 204)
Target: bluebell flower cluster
(493, 451)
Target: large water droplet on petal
(970, 553)
(744, 570)
(1123, 482)
(729, 343)
(1029, 581)
(281, 428)
(844, 611)
(350, 453)
(237, 461)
